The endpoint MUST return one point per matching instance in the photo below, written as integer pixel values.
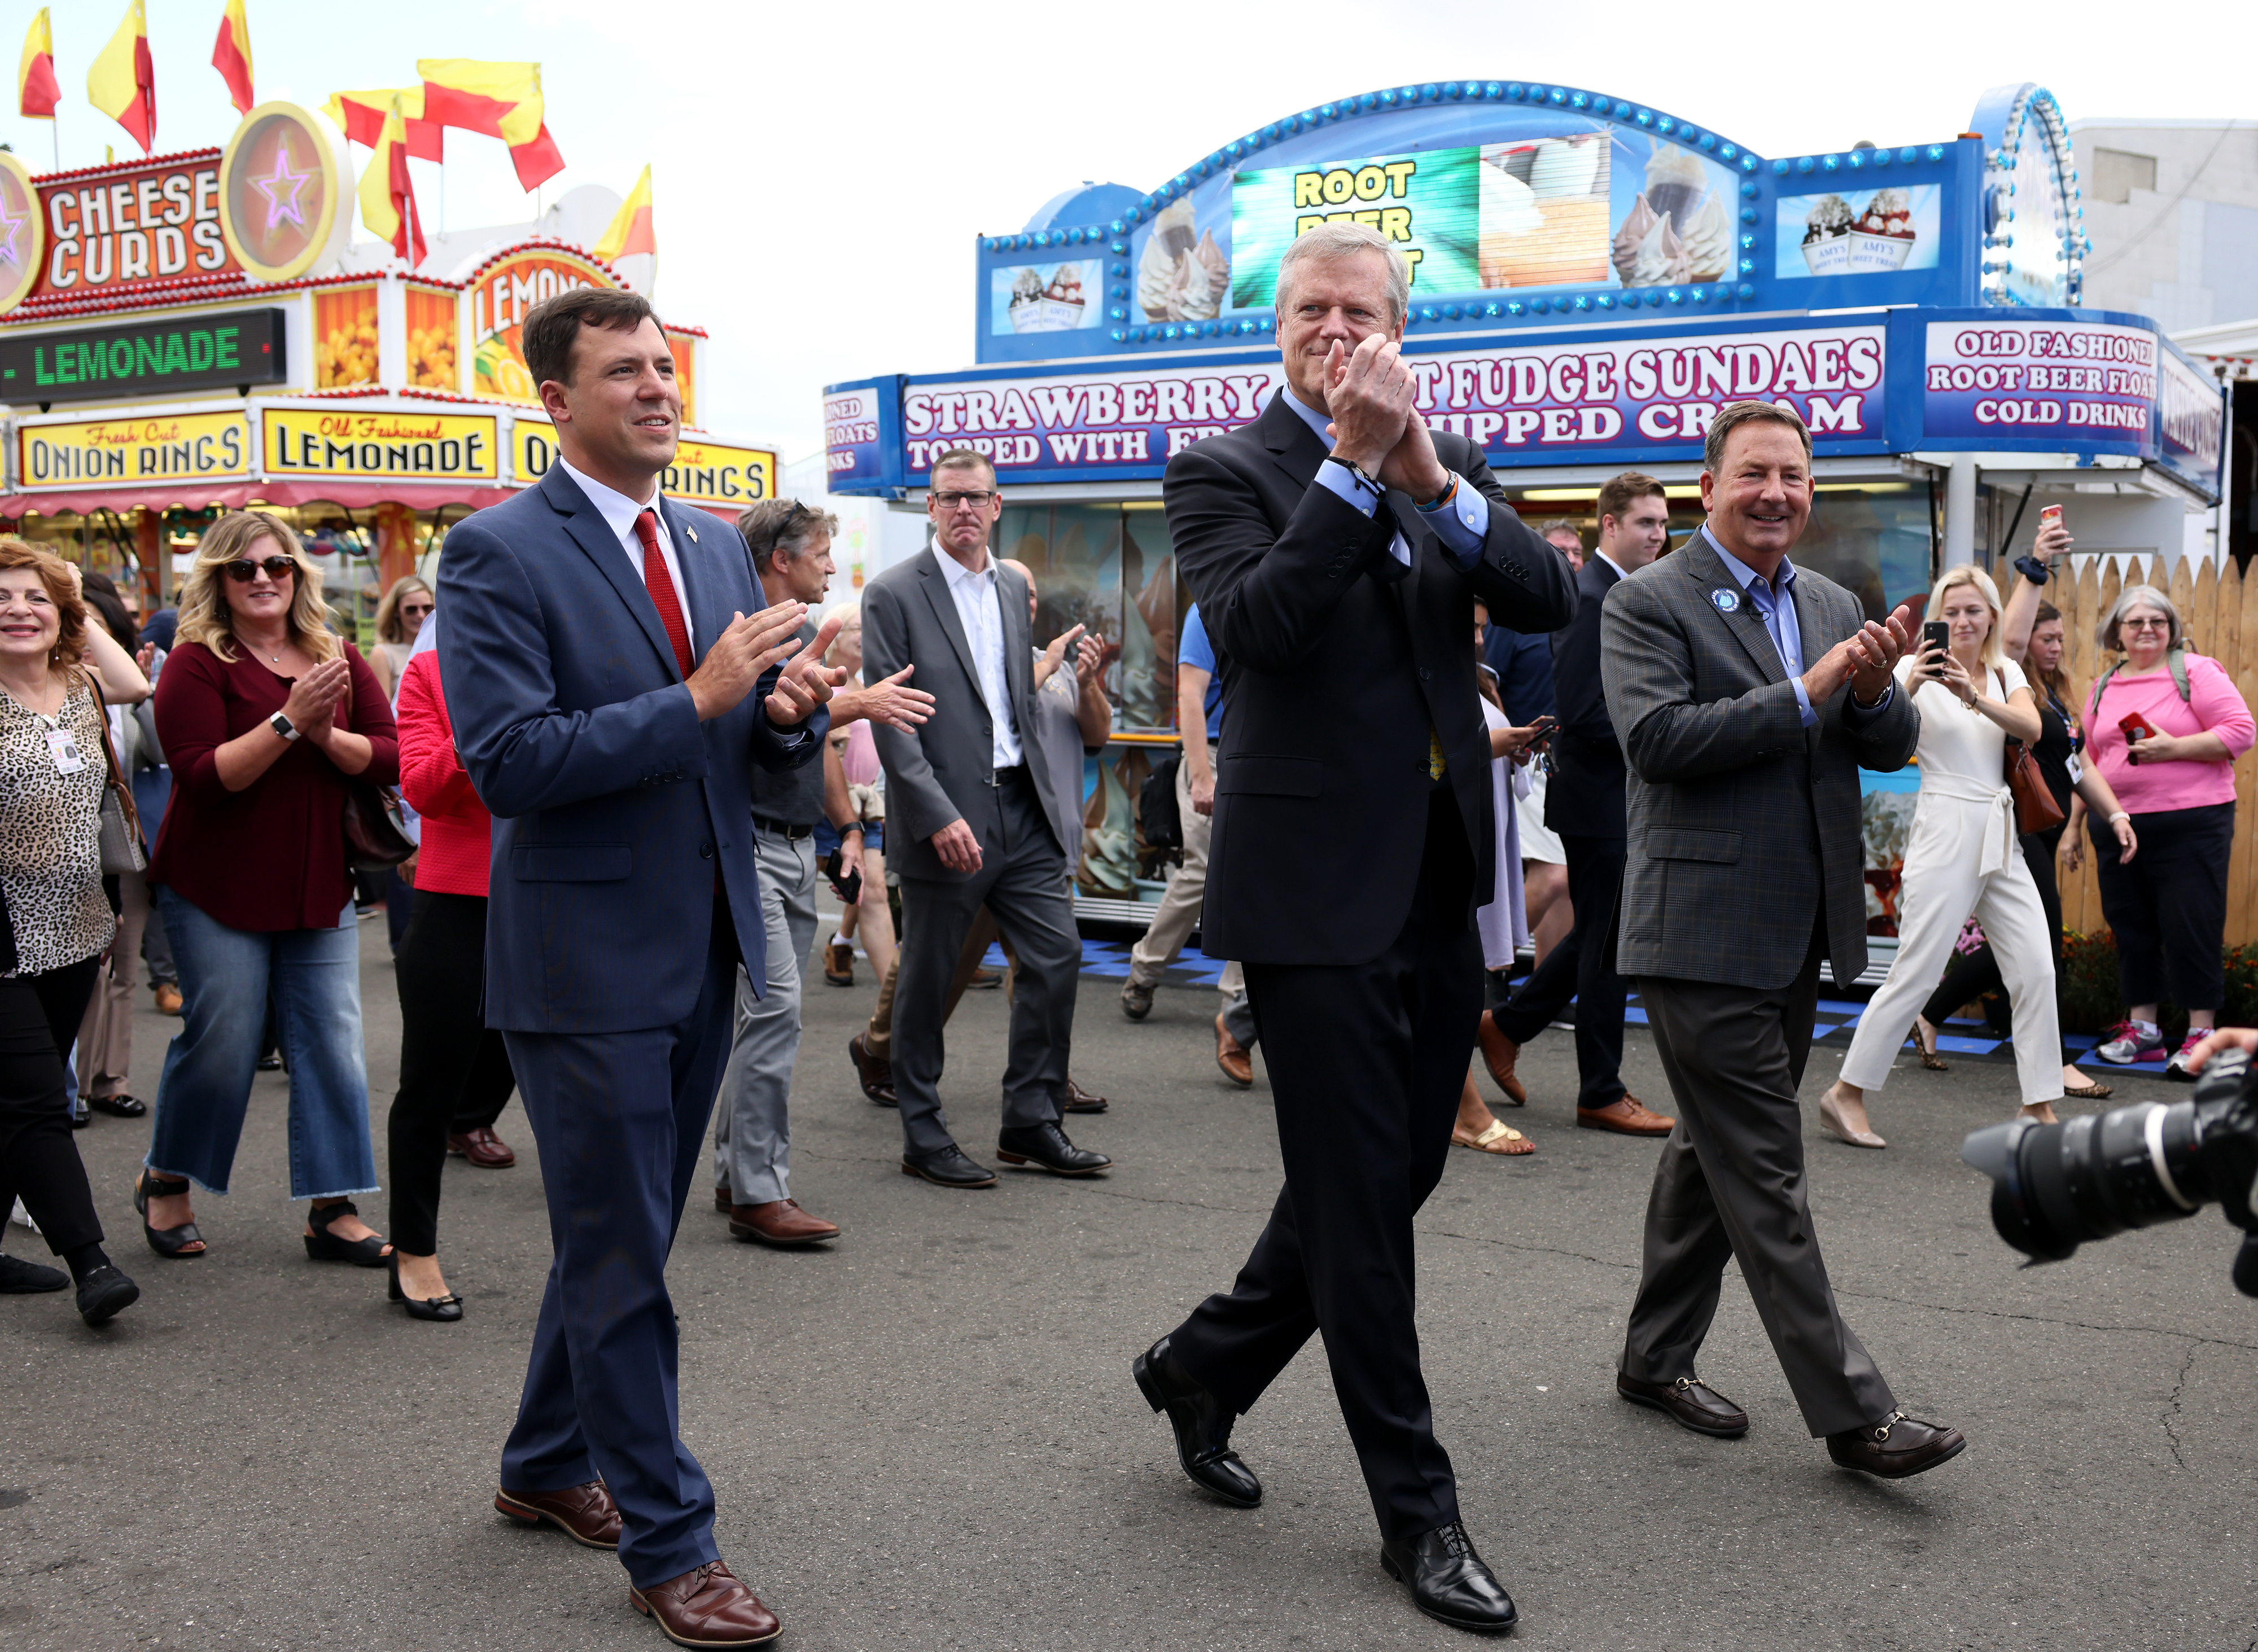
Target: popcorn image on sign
(1827, 237)
(1882, 238)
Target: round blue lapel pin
(1726, 601)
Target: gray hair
(2140, 596)
(783, 529)
(1734, 415)
(1329, 243)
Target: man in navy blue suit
(613, 676)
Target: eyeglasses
(2153, 622)
(245, 570)
(978, 499)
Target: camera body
(2056, 1187)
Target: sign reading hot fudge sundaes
(1600, 395)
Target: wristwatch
(2032, 569)
(1360, 473)
(280, 725)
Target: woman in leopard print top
(58, 922)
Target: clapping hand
(313, 698)
(806, 683)
(732, 666)
(891, 701)
(1865, 660)
(1090, 657)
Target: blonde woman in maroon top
(264, 716)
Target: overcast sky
(822, 169)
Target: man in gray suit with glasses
(973, 819)
(1747, 694)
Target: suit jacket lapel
(587, 528)
(1811, 622)
(703, 596)
(1743, 621)
(1293, 447)
(951, 623)
(1019, 650)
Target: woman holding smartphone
(1962, 858)
(2166, 726)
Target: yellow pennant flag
(123, 84)
(630, 230)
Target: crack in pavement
(2172, 1407)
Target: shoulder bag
(2035, 809)
(374, 822)
(121, 850)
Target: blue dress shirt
(1460, 522)
(1774, 601)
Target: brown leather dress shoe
(1499, 1053)
(724, 1200)
(780, 1223)
(838, 964)
(1232, 1056)
(875, 1076)
(168, 999)
(1897, 1447)
(585, 1514)
(707, 1607)
(1079, 1100)
(1626, 1115)
(482, 1147)
(1692, 1402)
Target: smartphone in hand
(2135, 728)
(1544, 726)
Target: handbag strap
(117, 784)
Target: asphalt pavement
(926, 1437)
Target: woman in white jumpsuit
(1962, 859)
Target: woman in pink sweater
(2164, 727)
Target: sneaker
(2178, 1067)
(2127, 1043)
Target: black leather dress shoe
(1692, 1402)
(948, 1168)
(105, 1292)
(1448, 1580)
(1897, 1447)
(1202, 1424)
(120, 1106)
(1045, 1147)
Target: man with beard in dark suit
(1336, 548)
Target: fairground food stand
(191, 333)
(1591, 280)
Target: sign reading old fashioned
(180, 447)
(113, 228)
(501, 294)
(204, 352)
(282, 187)
(404, 447)
(717, 474)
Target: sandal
(1500, 1137)
(324, 1246)
(2090, 1092)
(1929, 1058)
(172, 1244)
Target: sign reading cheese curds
(382, 446)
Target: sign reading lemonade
(382, 446)
(191, 447)
(501, 294)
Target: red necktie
(662, 589)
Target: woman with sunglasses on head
(2166, 725)
(266, 716)
(56, 921)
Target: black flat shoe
(172, 1244)
(104, 1294)
(324, 1246)
(1202, 1423)
(444, 1310)
(19, 1277)
(1448, 1581)
(1045, 1146)
(120, 1106)
(948, 1168)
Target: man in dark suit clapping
(1336, 549)
(1585, 799)
(1747, 693)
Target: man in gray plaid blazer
(1747, 693)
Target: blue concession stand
(1591, 279)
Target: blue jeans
(225, 976)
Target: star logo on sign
(10, 229)
(280, 187)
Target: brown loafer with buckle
(585, 1514)
(482, 1147)
(1079, 1100)
(874, 1075)
(780, 1223)
(1626, 1115)
(1499, 1053)
(1691, 1401)
(707, 1607)
(1233, 1057)
(1897, 1447)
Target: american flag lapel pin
(693, 534)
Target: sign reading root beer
(187, 447)
(714, 474)
(382, 446)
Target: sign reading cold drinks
(2088, 382)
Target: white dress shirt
(619, 513)
(974, 592)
